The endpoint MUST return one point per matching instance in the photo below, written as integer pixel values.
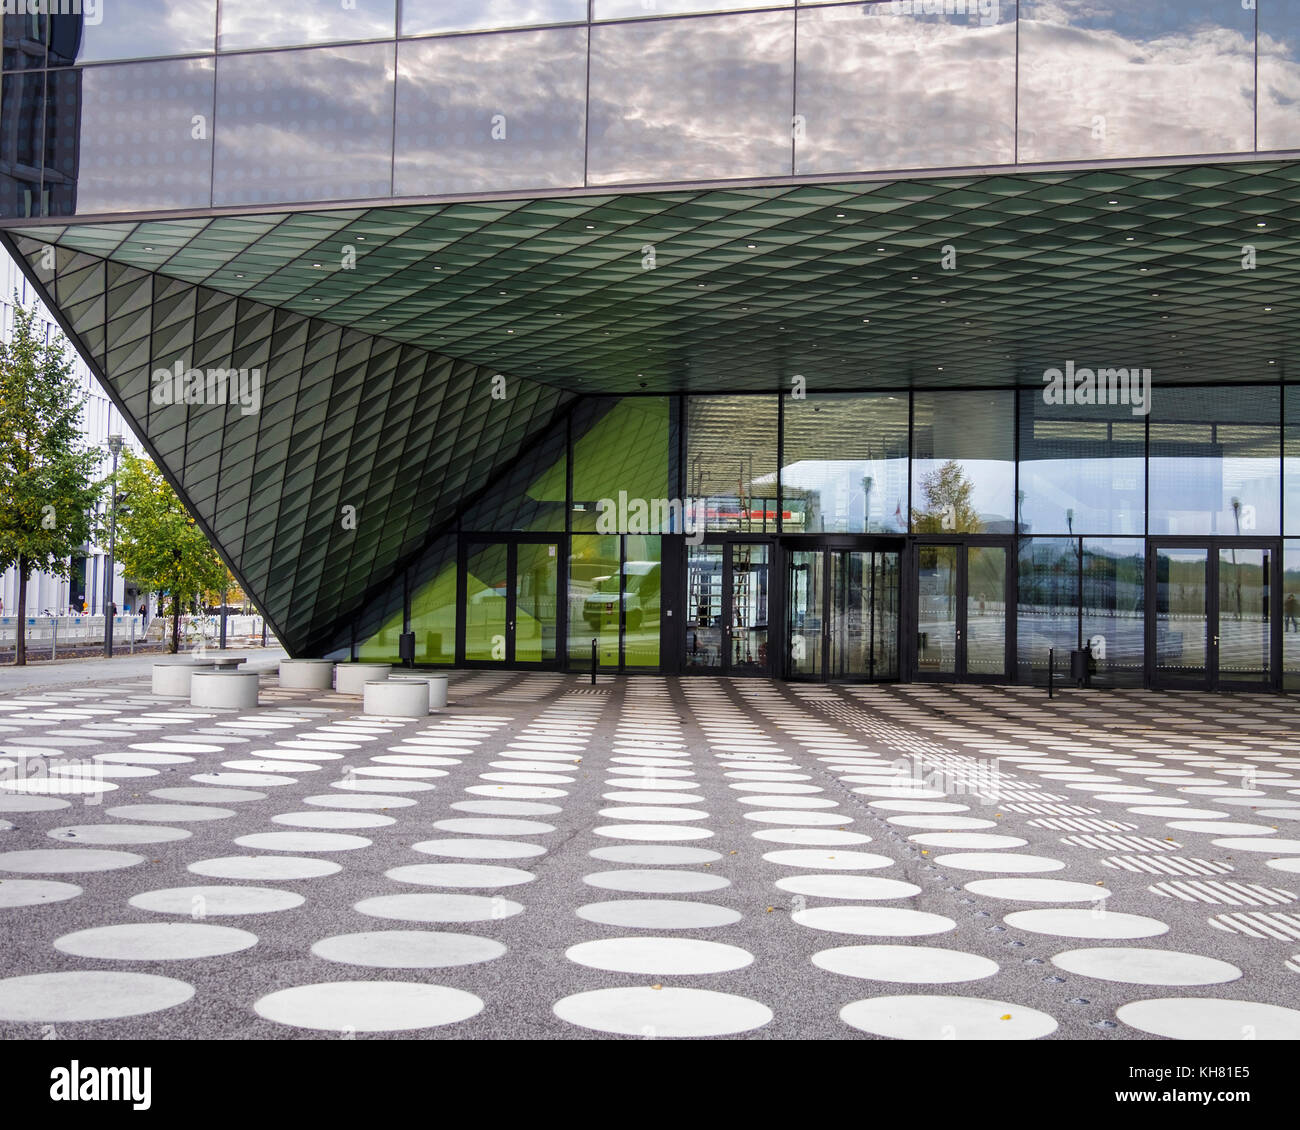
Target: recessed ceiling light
(239, 276)
(839, 215)
(315, 264)
(315, 299)
(866, 320)
(437, 268)
(1128, 239)
(1142, 269)
(1272, 362)
(510, 331)
(362, 239)
(880, 249)
(148, 248)
(941, 368)
(1268, 307)
(591, 227)
(1261, 224)
(501, 292)
(751, 246)
(1112, 201)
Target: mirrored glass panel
(1047, 605)
(133, 29)
(986, 610)
(963, 462)
(253, 23)
(1279, 74)
(936, 619)
(317, 125)
(645, 9)
(731, 462)
(487, 588)
(594, 584)
(22, 118)
(691, 99)
(704, 615)
(426, 17)
(1291, 461)
(24, 36)
(806, 606)
(433, 611)
(1215, 461)
(620, 466)
(844, 468)
(1114, 609)
(537, 580)
(491, 112)
(877, 87)
(1182, 614)
(642, 599)
(1109, 78)
(132, 137)
(1244, 614)
(1291, 616)
(1082, 468)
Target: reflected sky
(691, 99)
(423, 17)
(304, 125)
(641, 9)
(1279, 75)
(887, 90)
(255, 23)
(138, 29)
(1109, 79)
(532, 83)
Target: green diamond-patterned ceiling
(850, 285)
(360, 448)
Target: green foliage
(47, 492)
(158, 543)
(946, 503)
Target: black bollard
(1051, 669)
(595, 661)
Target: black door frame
(826, 545)
(1212, 545)
(512, 541)
(775, 603)
(912, 625)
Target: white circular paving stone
(117, 834)
(874, 921)
(155, 941)
(864, 887)
(657, 882)
(1068, 922)
(1182, 813)
(648, 772)
(100, 769)
(208, 795)
(1288, 864)
(176, 747)
(34, 892)
(439, 907)
(368, 1006)
(789, 802)
(251, 780)
(967, 840)
(656, 784)
(654, 813)
(516, 791)
(476, 875)
(660, 956)
(264, 867)
(1134, 966)
(1211, 1018)
(947, 823)
(1221, 828)
(829, 860)
(341, 819)
(66, 861)
(1037, 890)
(490, 826)
(408, 949)
(170, 813)
(412, 759)
(370, 785)
(1271, 844)
(200, 901)
(658, 914)
(651, 798)
(820, 837)
(27, 803)
(528, 778)
(55, 786)
(302, 841)
(261, 765)
(360, 801)
(667, 1012)
(908, 965)
(919, 806)
(796, 818)
(85, 995)
(1007, 863)
(775, 787)
(479, 849)
(647, 854)
(951, 1018)
(506, 807)
(653, 832)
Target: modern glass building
(896, 340)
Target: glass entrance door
(842, 613)
(962, 600)
(1213, 613)
(728, 592)
(510, 602)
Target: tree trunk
(176, 624)
(20, 651)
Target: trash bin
(1080, 666)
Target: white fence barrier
(73, 631)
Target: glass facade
(440, 97)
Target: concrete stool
(229, 662)
(230, 689)
(307, 674)
(172, 678)
(396, 698)
(437, 687)
(351, 678)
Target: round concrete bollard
(172, 678)
(235, 690)
(351, 678)
(307, 674)
(437, 686)
(396, 698)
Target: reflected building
(699, 335)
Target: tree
(47, 489)
(158, 543)
(947, 508)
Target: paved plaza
(651, 858)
